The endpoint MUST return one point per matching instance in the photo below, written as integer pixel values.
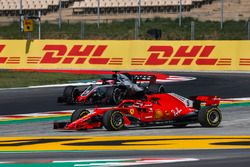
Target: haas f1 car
(153, 110)
(112, 90)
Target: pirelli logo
(184, 55)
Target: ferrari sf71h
(112, 90)
(153, 110)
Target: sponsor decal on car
(158, 114)
(167, 114)
(176, 111)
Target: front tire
(210, 117)
(79, 113)
(113, 120)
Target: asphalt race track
(227, 145)
(44, 99)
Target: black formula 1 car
(112, 90)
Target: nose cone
(71, 126)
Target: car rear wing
(144, 78)
(205, 100)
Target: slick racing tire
(156, 88)
(68, 91)
(68, 94)
(113, 120)
(71, 93)
(79, 113)
(117, 96)
(210, 116)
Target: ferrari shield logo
(132, 111)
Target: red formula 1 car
(156, 109)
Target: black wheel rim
(117, 120)
(117, 96)
(214, 117)
(161, 90)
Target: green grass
(10, 79)
(124, 30)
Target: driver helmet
(111, 82)
(114, 76)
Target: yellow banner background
(125, 55)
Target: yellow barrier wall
(125, 55)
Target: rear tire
(68, 90)
(156, 88)
(113, 120)
(210, 117)
(79, 113)
(68, 93)
(117, 96)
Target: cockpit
(86, 91)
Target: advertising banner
(125, 55)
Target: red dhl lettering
(77, 54)
(1, 48)
(54, 54)
(154, 58)
(161, 55)
(2, 59)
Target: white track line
(7, 162)
(238, 99)
(170, 79)
(123, 162)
